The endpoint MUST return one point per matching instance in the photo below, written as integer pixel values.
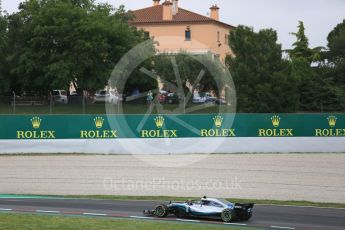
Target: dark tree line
(3, 50)
(51, 44)
(269, 79)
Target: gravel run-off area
(310, 177)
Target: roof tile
(154, 14)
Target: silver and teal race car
(210, 208)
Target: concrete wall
(177, 146)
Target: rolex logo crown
(36, 122)
(332, 121)
(159, 121)
(99, 122)
(218, 121)
(275, 121)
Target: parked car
(60, 96)
(200, 98)
(173, 98)
(106, 97)
(210, 98)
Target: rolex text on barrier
(171, 126)
(36, 133)
(331, 131)
(276, 131)
(98, 132)
(160, 131)
(218, 131)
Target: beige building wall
(204, 38)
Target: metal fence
(88, 104)
(49, 104)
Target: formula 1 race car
(210, 208)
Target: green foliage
(4, 82)
(301, 46)
(334, 68)
(199, 72)
(336, 53)
(336, 43)
(55, 43)
(317, 87)
(266, 83)
(260, 74)
(141, 81)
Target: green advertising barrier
(171, 126)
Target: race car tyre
(248, 216)
(227, 215)
(161, 211)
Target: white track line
(6, 209)
(236, 224)
(44, 211)
(141, 217)
(279, 227)
(94, 214)
(196, 221)
(294, 206)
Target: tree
(4, 81)
(312, 88)
(63, 41)
(198, 72)
(336, 52)
(139, 80)
(301, 46)
(260, 74)
(332, 71)
(318, 88)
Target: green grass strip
(57, 222)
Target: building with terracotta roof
(176, 29)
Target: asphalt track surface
(265, 216)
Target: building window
(218, 38)
(188, 34)
(226, 39)
(147, 35)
